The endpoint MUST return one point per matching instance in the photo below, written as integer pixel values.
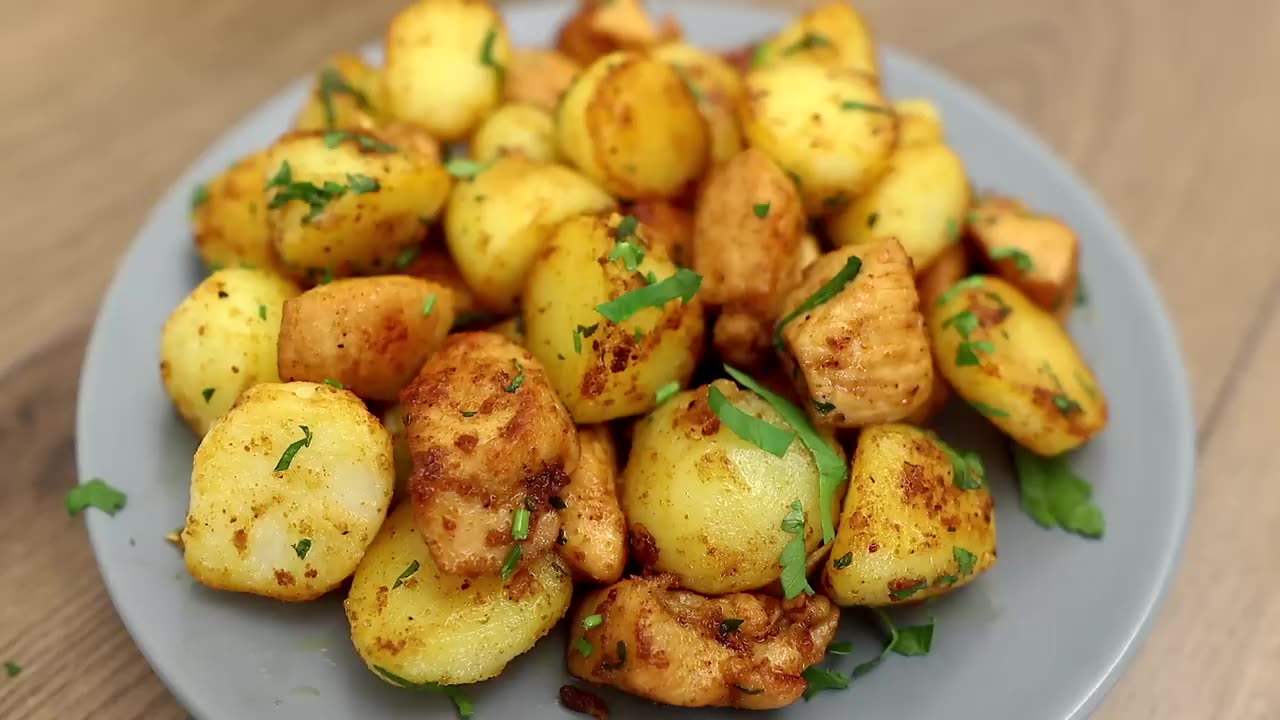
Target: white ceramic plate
(1041, 636)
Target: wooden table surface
(1171, 113)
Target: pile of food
(627, 331)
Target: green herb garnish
(808, 41)
(1054, 496)
(486, 54)
(334, 383)
(794, 576)
(429, 305)
(512, 562)
(361, 184)
(914, 640)
(207, 394)
(583, 646)
(520, 524)
(408, 573)
(592, 621)
(465, 169)
(262, 311)
(1021, 260)
(761, 210)
(829, 290)
(583, 331)
(964, 559)
(683, 285)
(969, 283)
(761, 433)
(630, 253)
(407, 256)
(460, 700)
(666, 392)
(822, 679)
(199, 195)
(12, 669)
(840, 648)
(330, 82)
(868, 107)
(988, 410)
(519, 379)
(729, 625)
(95, 493)
(843, 561)
(287, 458)
(302, 547)
(369, 143)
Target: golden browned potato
(946, 271)
(1016, 364)
(831, 34)
(354, 205)
(490, 444)
(434, 263)
(921, 201)
(828, 127)
(600, 27)
(748, 228)
(229, 214)
(707, 505)
(539, 77)
(604, 369)
(412, 622)
(287, 491)
(1037, 253)
(221, 341)
(862, 357)
(411, 139)
(716, 87)
(594, 531)
(675, 647)
(369, 335)
(347, 95)
(446, 61)
(499, 221)
(631, 124)
(910, 529)
(512, 329)
(670, 228)
(919, 122)
(516, 129)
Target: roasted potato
(921, 201)
(338, 208)
(410, 621)
(1036, 253)
(716, 87)
(490, 442)
(748, 228)
(499, 221)
(446, 61)
(516, 129)
(347, 95)
(221, 341)
(1016, 364)
(863, 356)
(830, 128)
(919, 122)
(287, 491)
(594, 539)
(670, 228)
(539, 77)
(947, 270)
(433, 263)
(708, 504)
(600, 27)
(368, 334)
(229, 214)
(512, 329)
(674, 647)
(910, 528)
(631, 124)
(831, 35)
(601, 369)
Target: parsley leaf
(823, 408)
(967, 352)
(988, 410)
(1066, 405)
(486, 54)
(583, 331)
(12, 669)
(808, 41)
(334, 383)
(1021, 260)
(914, 640)
(1054, 496)
(761, 433)
(630, 253)
(729, 625)
(367, 143)
(965, 559)
(829, 290)
(822, 679)
(969, 283)
(967, 472)
(832, 469)
(840, 648)
(684, 285)
(903, 593)
(868, 107)
(408, 573)
(207, 393)
(262, 311)
(95, 493)
(465, 707)
(843, 561)
(465, 169)
(519, 379)
(361, 184)
(407, 256)
(584, 647)
(287, 458)
(512, 562)
(666, 392)
(329, 83)
(520, 524)
(592, 621)
(429, 305)
(794, 579)
(302, 547)
(199, 195)
(761, 210)
(626, 227)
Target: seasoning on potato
(831, 34)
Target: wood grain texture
(1169, 111)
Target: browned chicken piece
(594, 537)
(863, 356)
(670, 228)
(1037, 253)
(539, 77)
(680, 648)
(950, 267)
(748, 226)
(487, 436)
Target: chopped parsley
(967, 472)
(408, 573)
(840, 648)
(512, 562)
(969, 283)
(95, 493)
(199, 195)
(465, 169)
(12, 669)
(683, 285)
(1066, 405)
(486, 54)
(407, 256)
(519, 379)
(729, 625)
(905, 592)
(329, 83)
(207, 394)
(964, 559)
(823, 408)
(832, 469)
(334, 383)
(759, 55)
(666, 392)
(429, 305)
(368, 143)
(822, 679)
(808, 41)
(583, 646)
(466, 708)
(361, 184)
(829, 290)
(287, 458)
(630, 253)
(872, 219)
(1054, 496)
(592, 621)
(988, 410)
(867, 107)
(761, 210)
(843, 561)
(761, 433)
(914, 640)
(316, 197)
(1021, 260)
(965, 322)
(262, 311)
(626, 227)
(794, 577)
(520, 524)
(302, 547)
(583, 331)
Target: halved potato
(287, 491)
(446, 62)
(499, 221)
(908, 531)
(1016, 364)
(631, 124)
(601, 369)
(832, 34)
(599, 28)
(829, 127)
(539, 77)
(716, 87)
(418, 624)
(919, 122)
(230, 217)
(1037, 253)
(221, 340)
(347, 95)
(516, 129)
